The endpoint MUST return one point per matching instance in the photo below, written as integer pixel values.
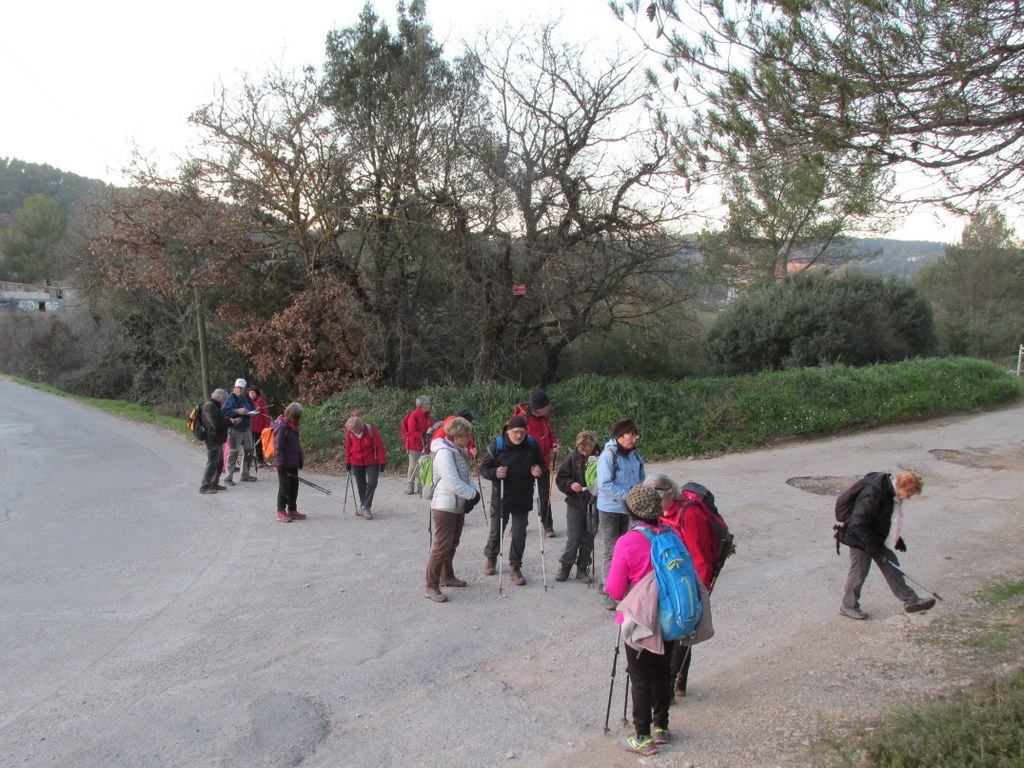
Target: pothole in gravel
(822, 486)
(981, 458)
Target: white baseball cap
(240, 383)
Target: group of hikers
(606, 490)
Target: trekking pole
(313, 485)
(625, 700)
(908, 577)
(501, 536)
(344, 506)
(540, 530)
(483, 501)
(611, 687)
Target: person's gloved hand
(471, 503)
(381, 467)
(901, 545)
(348, 467)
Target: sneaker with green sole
(639, 745)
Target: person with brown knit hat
(649, 673)
(619, 468)
(512, 463)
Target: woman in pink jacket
(364, 458)
(649, 673)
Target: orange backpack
(267, 440)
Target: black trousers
(650, 679)
(543, 489)
(518, 544)
(287, 489)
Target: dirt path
(145, 624)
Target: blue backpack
(679, 606)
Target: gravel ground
(144, 624)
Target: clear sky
(84, 83)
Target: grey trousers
(612, 525)
(579, 543)
(240, 440)
(412, 477)
(860, 564)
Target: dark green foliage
(20, 180)
(977, 289)
(691, 417)
(28, 247)
(814, 319)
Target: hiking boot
(491, 566)
(853, 613)
(366, 514)
(229, 481)
(435, 594)
(221, 487)
(516, 576)
(207, 490)
(563, 573)
(454, 582)
(409, 491)
(284, 517)
(640, 745)
(583, 575)
(678, 692)
(297, 515)
(660, 735)
(608, 602)
(919, 604)
(549, 533)
(248, 479)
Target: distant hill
(19, 180)
(881, 256)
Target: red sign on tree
(519, 290)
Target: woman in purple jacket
(288, 459)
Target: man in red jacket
(538, 426)
(415, 423)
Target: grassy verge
(697, 417)
(677, 418)
(980, 726)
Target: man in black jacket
(216, 424)
(872, 533)
(512, 463)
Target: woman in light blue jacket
(619, 468)
(453, 497)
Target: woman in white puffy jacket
(453, 497)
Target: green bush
(814, 319)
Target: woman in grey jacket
(453, 497)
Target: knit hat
(539, 399)
(644, 502)
(623, 427)
(516, 422)
(240, 383)
(465, 413)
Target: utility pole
(201, 328)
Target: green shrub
(814, 319)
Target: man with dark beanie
(538, 426)
(619, 468)
(511, 463)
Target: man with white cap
(240, 410)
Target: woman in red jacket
(364, 458)
(415, 423)
(259, 423)
(683, 512)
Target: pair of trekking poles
(304, 481)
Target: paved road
(143, 624)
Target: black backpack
(846, 500)
(706, 500)
(195, 422)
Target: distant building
(30, 298)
